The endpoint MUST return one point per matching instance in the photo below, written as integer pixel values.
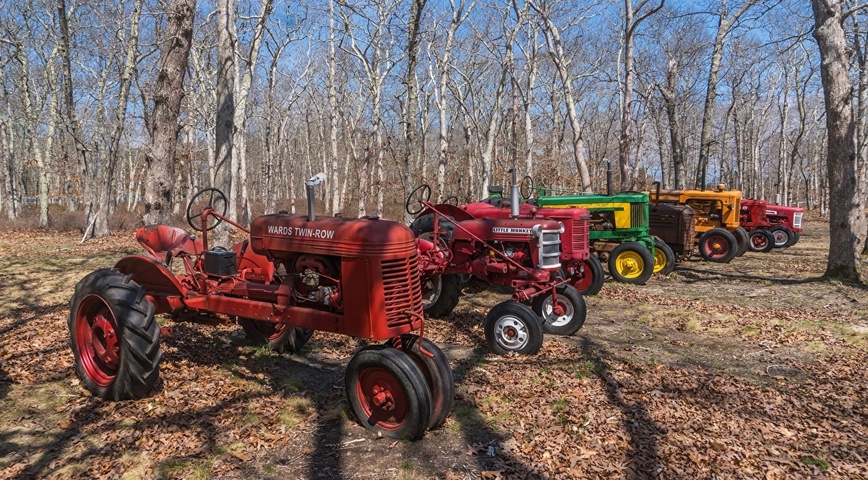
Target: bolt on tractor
(619, 232)
(294, 274)
(520, 253)
(782, 223)
(578, 266)
(717, 213)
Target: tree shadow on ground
(698, 275)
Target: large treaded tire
(795, 240)
(438, 375)
(760, 240)
(781, 235)
(425, 224)
(114, 337)
(575, 311)
(631, 262)
(664, 258)
(593, 276)
(741, 237)
(513, 327)
(279, 338)
(441, 295)
(718, 245)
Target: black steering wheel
(451, 200)
(526, 187)
(203, 200)
(420, 194)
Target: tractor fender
(447, 210)
(151, 274)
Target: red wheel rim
(759, 241)
(716, 246)
(587, 278)
(382, 398)
(96, 336)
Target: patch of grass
(202, 471)
(295, 409)
(692, 325)
(269, 469)
(465, 417)
(560, 404)
(172, 467)
(585, 369)
(562, 420)
(407, 466)
(291, 385)
(250, 419)
(750, 330)
(814, 462)
(337, 411)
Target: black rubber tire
(404, 378)
(760, 240)
(718, 245)
(574, 305)
(640, 256)
(781, 236)
(446, 289)
(741, 237)
(592, 276)
(795, 240)
(425, 224)
(664, 258)
(138, 352)
(438, 376)
(287, 339)
(522, 321)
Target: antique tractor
(295, 274)
(675, 225)
(753, 219)
(717, 213)
(579, 267)
(784, 224)
(520, 253)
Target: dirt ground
(753, 369)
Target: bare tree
(412, 98)
(846, 207)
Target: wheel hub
(511, 333)
(383, 398)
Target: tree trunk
(846, 208)
(224, 131)
(168, 92)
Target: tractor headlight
(537, 230)
(562, 227)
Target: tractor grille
(402, 289)
(797, 220)
(637, 216)
(550, 249)
(580, 235)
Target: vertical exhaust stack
(513, 197)
(311, 199)
(608, 178)
(657, 200)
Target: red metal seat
(160, 240)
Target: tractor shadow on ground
(5, 382)
(699, 275)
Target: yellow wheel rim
(629, 264)
(659, 260)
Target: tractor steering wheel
(451, 200)
(420, 194)
(203, 200)
(526, 188)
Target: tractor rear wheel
(566, 315)
(664, 258)
(388, 393)
(438, 375)
(631, 262)
(114, 337)
(590, 279)
(761, 240)
(440, 295)
(741, 237)
(513, 327)
(717, 245)
(782, 235)
(278, 337)
(795, 239)
(425, 224)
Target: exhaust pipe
(657, 200)
(311, 199)
(513, 197)
(608, 178)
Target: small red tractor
(520, 253)
(582, 269)
(782, 224)
(295, 274)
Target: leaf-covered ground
(754, 369)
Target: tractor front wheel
(278, 337)
(388, 393)
(114, 337)
(438, 375)
(718, 245)
(795, 239)
(664, 258)
(589, 279)
(782, 235)
(742, 239)
(440, 295)
(631, 262)
(564, 316)
(513, 327)
(761, 240)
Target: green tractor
(619, 230)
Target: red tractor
(784, 224)
(521, 253)
(295, 274)
(582, 269)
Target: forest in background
(382, 95)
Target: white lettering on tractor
(519, 231)
(278, 230)
(301, 232)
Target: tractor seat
(160, 240)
